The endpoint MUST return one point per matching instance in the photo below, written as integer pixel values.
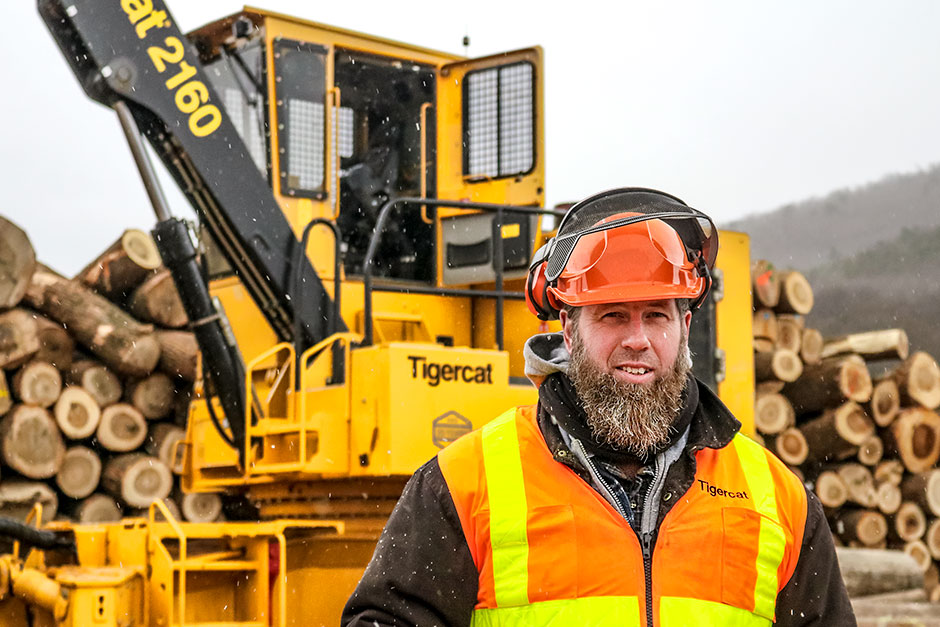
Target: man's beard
(631, 417)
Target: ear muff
(540, 302)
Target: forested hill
(872, 255)
(812, 232)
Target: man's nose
(635, 336)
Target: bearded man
(626, 496)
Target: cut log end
(772, 413)
(782, 365)
(31, 442)
(80, 472)
(831, 489)
(97, 508)
(122, 428)
(885, 402)
(137, 479)
(909, 523)
(918, 380)
(790, 446)
(796, 294)
(201, 508)
(38, 383)
(77, 413)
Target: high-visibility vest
(550, 550)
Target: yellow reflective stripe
(681, 612)
(594, 611)
(508, 515)
(772, 540)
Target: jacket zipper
(646, 537)
(613, 500)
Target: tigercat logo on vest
(433, 373)
(716, 491)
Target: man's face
(629, 363)
(634, 342)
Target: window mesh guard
(500, 127)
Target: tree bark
(157, 300)
(885, 402)
(765, 284)
(909, 523)
(918, 380)
(796, 295)
(80, 472)
(17, 263)
(201, 507)
(38, 383)
(811, 346)
(19, 338)
(162, 444)
(875, 571)
(772, 413)
(102, 384)
(923, 489)
(30, 442)
(122, 428)
(123, 266)
(56, 346)
(781, 365)
(179, 354)
(872, 345)
(914, 436)
(97, 508)
(137, 479)
(76, 413)
(17, 498)
(790, 446)
(121, 342)
(864, 526)
(153, 395)
(838, 432)
(829, 383)
(765, 325)
(831, 489)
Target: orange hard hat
(624, 245)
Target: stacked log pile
(855, 417)
(95, 377)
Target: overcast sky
(736, 106)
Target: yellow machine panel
(733, 322)
(411, 400)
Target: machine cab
(340, 122)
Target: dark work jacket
(422, 572)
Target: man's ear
(567, 327)
(687, 319)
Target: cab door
(490, 131)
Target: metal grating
(305, 144)
(345, 126)
(500, 124)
